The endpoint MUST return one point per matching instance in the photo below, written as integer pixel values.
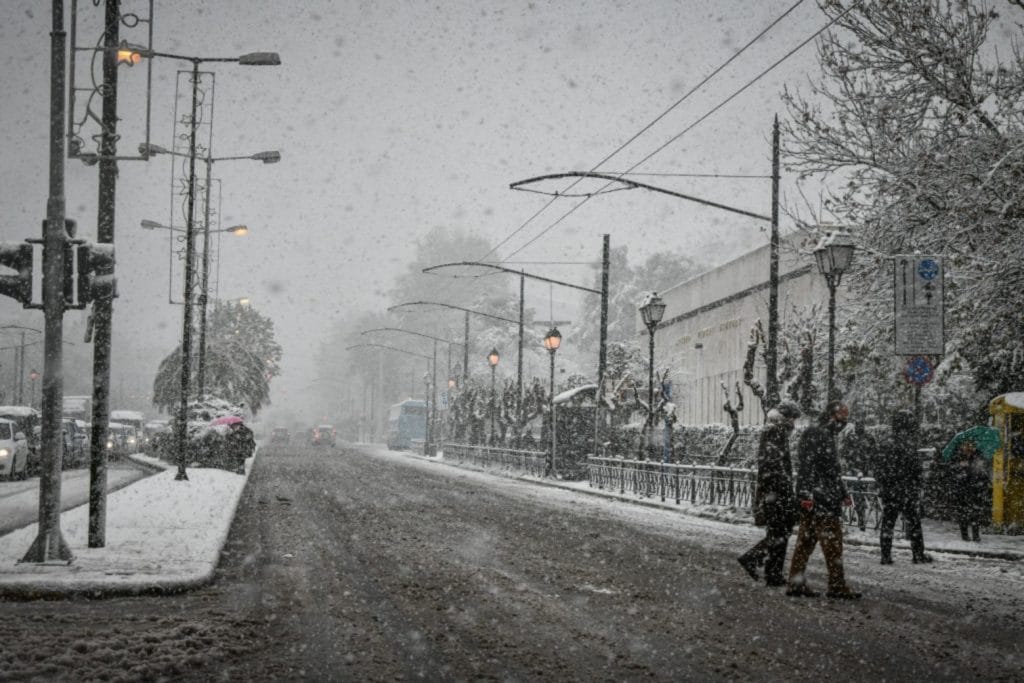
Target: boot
(963, 532)
(917, 548)
(886, 544)
(976, 535)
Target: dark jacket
(240, 445)
(818, 476)
(971, 488)
(774, 501)
(899, 472)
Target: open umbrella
(986, 439)
(226, 420)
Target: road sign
(919, 370)
(918, 305)
(444, 400)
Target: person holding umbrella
(968, 453)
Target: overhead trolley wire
(693, 125)
(658, 118)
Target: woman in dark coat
(240, 444)
(774, 502)
(971, 483)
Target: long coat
(818, 476)
(899, 473)
(971, 485)
(774, 501)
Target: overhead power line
(693, 125)
(658, 118)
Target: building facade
(704, 334)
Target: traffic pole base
(49, 549)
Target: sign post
(918, 306)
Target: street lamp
(32, 375)
(652, 310)
(238, 230)
(249, 59)
(492, 359)
(552, 340)
(834, 253)
(427, 396)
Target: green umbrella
(986, 439)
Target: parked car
(27, 421)
(324, 435)
(13, 451)
(280, 435)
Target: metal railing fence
(507, 459)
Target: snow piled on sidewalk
(161, 535)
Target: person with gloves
(822, 495)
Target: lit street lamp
(492, 359)
(32, 375)
(249, 59)
(652, 310)
(552, 340)
(834, 253)
(238, 230)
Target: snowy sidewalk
(162, 535)
(939, 536)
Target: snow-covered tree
(918, 119)
(242, 356)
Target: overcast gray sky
(394, 117)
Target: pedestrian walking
(822, 495)
(971, 483)
(239, 445)
(900, 477)
(774, 501)
(859, 451)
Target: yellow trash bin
(1007, 413)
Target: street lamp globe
(493, 357)
(652, 310)
(834, 253)
(552, 340)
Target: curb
(599, 493)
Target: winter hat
(789, 409)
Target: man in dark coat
(900, 478)
(822, 496)
(774, 502)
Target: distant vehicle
(122, 440)
(323, 435)
(280, 435)
(27, 421)
(407, 421)
(76, 450)
(78, 408)
(13, 451)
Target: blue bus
(407, 421)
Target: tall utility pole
(771, 345)
(103, 307)
(49, 544)
(602, 361)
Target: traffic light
(95, 272)
(17, 256)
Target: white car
(13, 451)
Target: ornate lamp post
(552, 340)
(652, 310)
(492, 359)
(834, 253)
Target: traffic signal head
(18, 257)
(95, 272)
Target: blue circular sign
(919, 370)
(927, 269)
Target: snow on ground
(161, 534)
(164, 534)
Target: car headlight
(110, 444)
(4, 452)
(131, 439)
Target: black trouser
(911, 511)
(772, 548)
